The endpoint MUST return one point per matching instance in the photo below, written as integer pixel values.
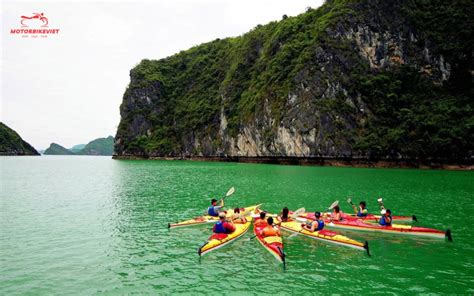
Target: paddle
(229, 193)
(349, 200)
(295, 216)
(295, 234)
(382, 207)
(333, 205)
(297, 213)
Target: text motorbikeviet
(34, 31)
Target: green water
(92, 225)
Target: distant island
(12, 144)
(100, 146)
(56, 149)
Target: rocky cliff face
(12, 144)
(364, 79)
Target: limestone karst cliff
(350, 79)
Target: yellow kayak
(209, 219)
(218, 240)
(325, 235)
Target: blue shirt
(213, 211)
(361, 214)
(382, 221)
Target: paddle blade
(298, 212)
(349, 200)
(230, 192)
(293, 235)
(301, 219)
(333, 205)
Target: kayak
(273, 244)
(209, 219)
(218, 240)
(357, 224)
(375, 218)
(326, 236)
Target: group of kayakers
(361, 211)
(225, 225)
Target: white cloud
(68, 88)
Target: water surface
(92, 225)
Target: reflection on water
(92, 224)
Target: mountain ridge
(11, 143)
(56, 149)
(99, 146)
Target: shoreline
(316, 161)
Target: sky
(67, 88)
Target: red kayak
(357, 224)
(273, 244)
(375, 218)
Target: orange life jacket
(269, 231)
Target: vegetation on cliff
(77, 148)
(56, 149)
(12, 144)
(100, 146)
(372, 79)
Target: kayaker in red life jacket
(261, 221)
(361, 210)
(386, 219)
(222, 226)
(214, 209)
(236, 217)
(283, 217)
(269, 230)
(315, 225)
(336, 214)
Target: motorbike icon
(39, 16)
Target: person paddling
(315, 225)
(269, 230)
(336, 214)
(386, 219)
(222, 226)
(236, 217)
(283, 217)
(361, 210)
(261, 221)
(214, 209)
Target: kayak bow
(325, 236)
(273, 244)
(375, 218)
(359, 225)
(218, 240)
(208, 219)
